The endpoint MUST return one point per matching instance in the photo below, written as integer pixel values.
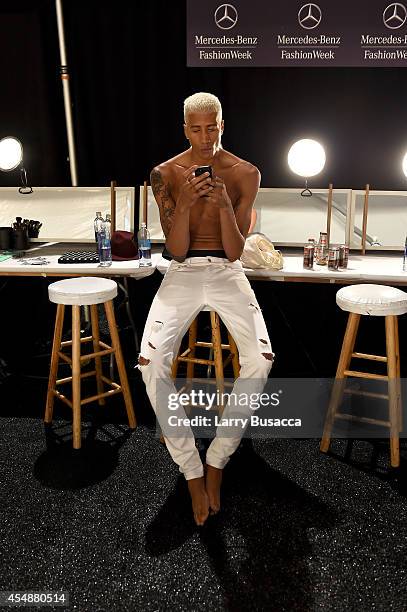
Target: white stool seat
(374, 300)
(82, 291)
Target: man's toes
(201, 518)
(215, 508)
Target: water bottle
(144, 246)
(97, 224)
(104, 247)
(108, 223)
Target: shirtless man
(205, 222)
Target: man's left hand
(219, 196)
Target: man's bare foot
(200, 502)
(213, 480)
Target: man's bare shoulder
(240, 166)
(168, 169)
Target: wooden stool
(216, 345)
(373, 300)
(77, 292)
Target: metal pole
(67, 97)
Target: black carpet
(112, 523)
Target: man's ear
(222, 126)
(186, 131)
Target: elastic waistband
(206, 259)
(219, 253)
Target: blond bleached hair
(202, 102)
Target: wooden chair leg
(393, 402)
(96, 347)
(235, 355)
(56, 346)
(399, 399)
(174, 367)
(343, 364)
(217, 353)
(76, 376)
(192, 335)
(121, 368)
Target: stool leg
(235, 353)
(96, 347)
(121, 368)
(76, 375)
(174, 367)
(217, 352)
(343, 364)
(399, 402)
(192, 334)
(393, 402)
(56, 346)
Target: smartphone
(202, 169)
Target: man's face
(204, 131)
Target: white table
(14, 267)
(377, 268)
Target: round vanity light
(11, 153)
(306, 157)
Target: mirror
(67, 213)
(386, 220)
(288, 219)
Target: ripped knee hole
(143, 361)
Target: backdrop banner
(364, 33)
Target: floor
(112, 523)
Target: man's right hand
(194, 187)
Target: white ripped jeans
(186, 288)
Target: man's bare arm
(174, 220)
(235, 222)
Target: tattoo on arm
(162, 195)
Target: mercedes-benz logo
(309, 16)
(395, 15)
(226, 16)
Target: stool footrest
(69, 342)
(68, 379)
(196, 360)
(96, 354)
(116, 388)
(64, 357)
(106, 346)
(370, 357)
(383, 396)
(62, 397)
(93, 398)
(357, 374)
(210, 345)
(110, 382)
(352, 417)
